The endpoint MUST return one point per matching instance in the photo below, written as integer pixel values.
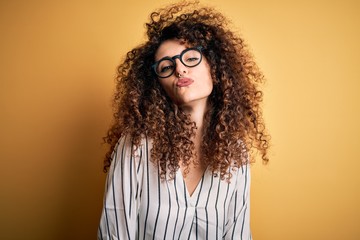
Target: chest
(166, 207)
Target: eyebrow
(182, 43)
(166, 57)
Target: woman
(187, 115)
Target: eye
(164, 69)
(192, 59)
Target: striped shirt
(138, 204)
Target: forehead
(170, 48)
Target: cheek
(162, 82)
(166, 86)
(210, 87)
(207, 73)
(209, 81)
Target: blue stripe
(140, 158)
(113, 156)
(245, 186)
(113, 190)
(100, 232)
(123, 158)
(245, 189)
(197, 201)
(186, 208)
(206, 212)
(158, 211)
(167, 220)
(148, 186)
(216, 210)
(227, 193)
(234, 215)
(178, 207)
(137, 172)
(131, 180)
(243, 223)
(105, 210)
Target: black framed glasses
(190, 57)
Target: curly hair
(234, 124)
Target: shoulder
(126, 150)
(126, 143)
(244, 175)
(241, 173)
(123, 145)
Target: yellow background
(57, 68)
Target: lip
(184, 82)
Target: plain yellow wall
(57, 68)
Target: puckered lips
(184, 82)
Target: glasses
(190, 57)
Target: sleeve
(238, 217)
(122, 193)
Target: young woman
(187, 117)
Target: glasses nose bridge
(179, 57)
(176, 56)
(179, 65)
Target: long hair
(234, 124)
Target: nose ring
(179, 74)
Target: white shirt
(138, 204)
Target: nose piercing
(179, 74)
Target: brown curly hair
(234, 123)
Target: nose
(180, 69)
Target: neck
(197, 113)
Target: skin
(191, 98)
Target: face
(187, 86)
